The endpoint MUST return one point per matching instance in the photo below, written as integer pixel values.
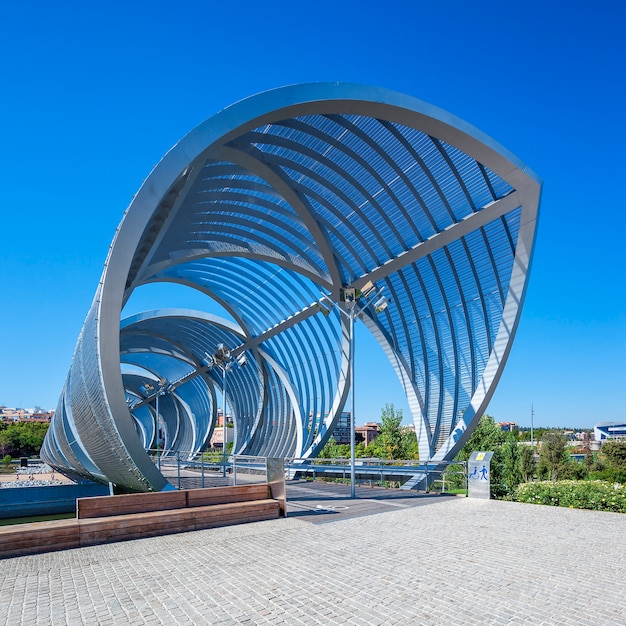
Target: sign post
(479, 475)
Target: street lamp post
(148, 388)
(223, 359)
(224, 438)
(156, 423)
(352, 404)
(368, 293)
(160, 392)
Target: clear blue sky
(93, 95)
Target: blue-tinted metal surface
(277, 201)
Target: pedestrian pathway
(380, 560)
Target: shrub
(596, 495)
(615, 453)
(552, 454)
(609, 475)
(572, 470)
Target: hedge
(597, 495)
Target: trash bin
(24, 461)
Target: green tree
(389, 444)
(552, 455)
(22, 438)
(332, 450)
(487, 437)
(610, 464)
(572, 470)
(410, 444)
(511, 466)
(527, 463)
(615, 454)
(360, 450)
(5, 443)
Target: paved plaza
(406, 559)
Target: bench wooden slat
(220, 515)
(138, 525)
(134, 526)
(125, 504)
(223, 495)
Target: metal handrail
(387, 470)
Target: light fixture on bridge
(325, 305)
(381, 304)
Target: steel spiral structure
(276, 206)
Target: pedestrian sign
(479, 475)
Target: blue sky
(93, 95)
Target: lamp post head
(208, 360)
(381, 304)
(222, 352)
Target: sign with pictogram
(479, 475)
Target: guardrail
(409, 474)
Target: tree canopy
(553, 453)
(22, 438)
(393, 442)
(615, 453)
(506, 472)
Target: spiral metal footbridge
(288, 209)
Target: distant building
(39, 419)
(217, 438)
(367, 433)
(11, 414)
(341, 434)
(610, 430)
(507, 427)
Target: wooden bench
(104, 519)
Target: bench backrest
(104, 506)
(125, 504)
(224, 495)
